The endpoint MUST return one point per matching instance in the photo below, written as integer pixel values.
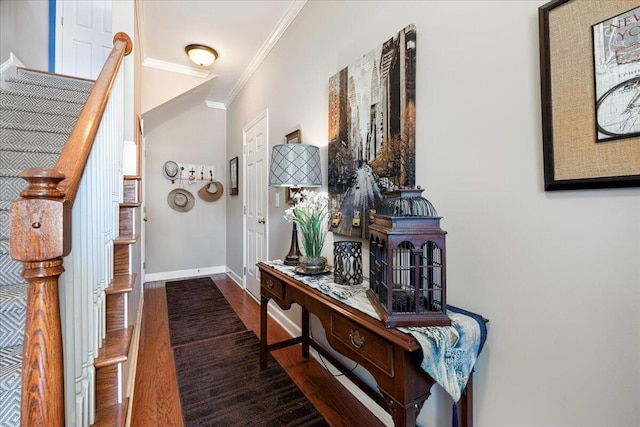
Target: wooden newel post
(40, 228)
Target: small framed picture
(293, 138)
(233, 172)
(289, 192)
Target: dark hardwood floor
(156, 401)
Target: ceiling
(242, 32)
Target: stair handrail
(40, 237)
(76, 151)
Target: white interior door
(83, 37)
(256, 190)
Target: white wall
(24, 30)
(184, 241)
(558, 274)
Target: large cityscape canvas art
(372, 120)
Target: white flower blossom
(309, 211)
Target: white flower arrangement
(310, 210)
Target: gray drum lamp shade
(295, 165)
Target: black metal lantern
(407, 261)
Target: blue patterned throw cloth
(449, 352)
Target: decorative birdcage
(407, 261)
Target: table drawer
(271, 286)
(368, 345)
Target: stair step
(11, 113)
(28, 127)
(49, 84)
(11, 187)
(20, 160)
(13, 309)
(125, 240)
(11, 269)
(122, 283)
(33, 138)
(113, 415)
(4, 224)
(45, 90)
(50, 102)
(10, 384)
(115, 348)
(59, 79)
(26, 147)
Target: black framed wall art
(590, 87)
(233, 176)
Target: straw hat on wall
(211, 191)
(181, 200)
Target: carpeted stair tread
(20, 160)
(12, 186)
(27, 147)
(10, 384)
(35, 109)
(33, 138)
(4, 223)
(32, 100)
(16, 82)
(11, 270)
(28, 127)
(45, 91)
(4, 246)
(10, 363)
(13, 309)
(10, 173)
(59, 79)
(11, 113)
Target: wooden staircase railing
(41, 238)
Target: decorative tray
(299, 270)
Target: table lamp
(295, 166)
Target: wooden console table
(392, 357)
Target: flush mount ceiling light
(201, 54)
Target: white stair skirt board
(8, 68)
(183, 274)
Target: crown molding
(175, 68)
(294, 8)
(216, 105)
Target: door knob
(261, 220)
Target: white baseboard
(232, 274)
(183, 274)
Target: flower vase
(313, 265)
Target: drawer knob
(270, 284)
(356, 339)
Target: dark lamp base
(292, 260)
(294, 255)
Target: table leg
(403, 416)
(305, 333)
(264, 303)
(466, 404)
